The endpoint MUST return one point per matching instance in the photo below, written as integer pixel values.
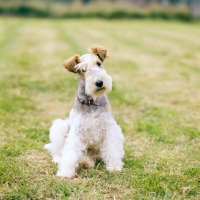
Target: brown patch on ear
(100, 51)
(70, 63)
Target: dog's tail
(58, 133)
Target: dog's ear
(70, 64)
(100, 51)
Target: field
(155, 66)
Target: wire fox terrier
(90, 132)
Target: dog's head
(91, 70)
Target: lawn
(155, 66)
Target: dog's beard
(95, 92)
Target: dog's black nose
(99, 83)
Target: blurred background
(165, 9)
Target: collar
(86, 102)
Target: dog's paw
(56, 159)
(88, 164)
(48, 146)
(65, 174)
(114, 168)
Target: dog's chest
(92, 128)
(92, 131)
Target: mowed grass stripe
(11, 100)
(9, 30)
(79, 34)
(163, 50)
(175, 31)
(145, 38)
(67, 31)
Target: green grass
(155, 99)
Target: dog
(90, 132)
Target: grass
(155, 99)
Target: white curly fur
(90, 132)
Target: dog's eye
(99, 64)
(84, 70)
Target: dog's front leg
(71, 154)
(112, 149)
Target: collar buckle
(86, 102)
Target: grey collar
(86, 102)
